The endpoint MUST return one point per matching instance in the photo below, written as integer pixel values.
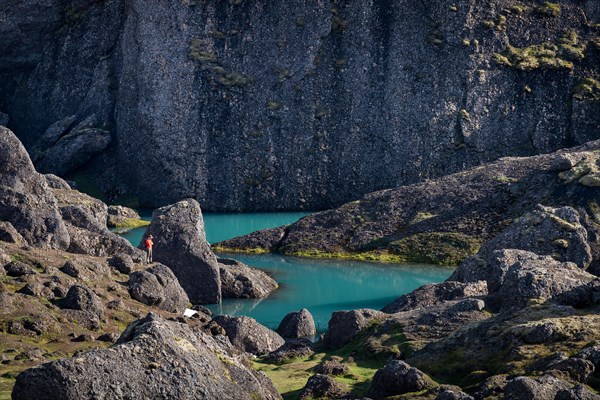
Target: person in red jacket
(149, 244)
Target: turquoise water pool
(321, 286)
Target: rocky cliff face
(250, 104)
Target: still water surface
(321, 286)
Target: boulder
(73, 150)
(239, 281)
(84, 299)
(157, 286)
(578, 369)
(346, 325)
(153, 359)
(534, 277)
(9, 234)
(56, 182)
(582, 296)
(322, 386)
(330, 367)
(74, 269)
(555, 232)
(51, 136)
(180, 243)
(543, 387)
(122, 263)
(248, 335)
(297, 324)
(26, 201)
(18, 268)
(118, 214)
(397, 377)
(591, 354)
(429, 295)
(579, 392)
(86, 217)
(294, 348)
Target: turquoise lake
(321, 286)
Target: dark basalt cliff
(251, 104)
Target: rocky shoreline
(82, 318)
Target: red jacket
(149, 243)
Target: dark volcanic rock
(322, 386)
(84, 299)
(332, 368)
(533, 277)
(345, 325)
(17, 268)
(248, 335)
(294, 348)
(429, 295)
(122, 263)
(154, 359)
(26, 201)
(544, 387)
(397, 377)
(239, 281)
(86, 222)
(118, 214)
(297, 324)
(56, 182)
(578, 369)
(180, 243)
(9, 234)
(445, 220)
(157, 286)
(73, 151)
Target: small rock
(578, 369)
(116, 304)
(322, 386)
(86, 337)
(294, 348)
(297, 324)
(72, 268)
(110, 337)
(331, 368)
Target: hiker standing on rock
(149, 244)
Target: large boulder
(429, 295)
(321, 386)
(122, 263)
(84, 299)
(533, 277)
(397, 377)
(73, 150)
(297, 324)
(239, 281)
(555, 232)
(346, 325)
(248, 335)
(543, 387)
(157, 286)
(26, 201)
(85, 218)
(153, 359)
(180, 243)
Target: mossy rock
(442, 248)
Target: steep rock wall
(251, 104)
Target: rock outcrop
(239, 281)
(180, 243)
(445, 220)
(248, 335)
(329, 103)
(297, 324)
(322, 386)
(153, 358)
(157, 286)
(26, 201)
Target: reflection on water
(321, 286)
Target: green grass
(131, 223)
(440, 248)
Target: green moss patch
(542, 56)
(131, 223)
(548, 9)
(587, 89)
(441, 248)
